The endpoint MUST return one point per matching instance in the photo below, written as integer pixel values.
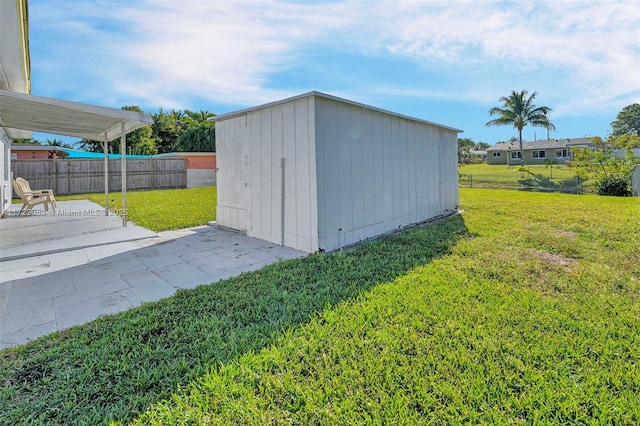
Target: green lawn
(523, 310)
(162, 210)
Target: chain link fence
(525, 182)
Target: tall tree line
(171, 131)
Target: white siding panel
(434, 175)
(358, 189)
(313, 179)
(289, 149)
(328, 154)
(300, 168)
(264, 174)
(283, 131)
(369, 173)
(255, 182)
(404, 171)
(379, 170)
(232, 173)
(450, 177)
(276, 173)
(344, 170)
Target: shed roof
(48, 115)
(241, 112)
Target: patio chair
(47, 192)
(32, 198)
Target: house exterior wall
(16, 76)
(6, 189)
(549, 154)
(201, 167)
(30, 155)
(197, 178)
(378, 172)
(505, 156)
(251, 197)
(497, 159)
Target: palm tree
(518, 110)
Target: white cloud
(224, 50)
(580, 56)
(585, 55)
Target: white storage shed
(316, 172)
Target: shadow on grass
(115, 367)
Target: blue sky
(443, 61)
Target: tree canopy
(518, 110)
(612, 172)
(174, 131)
(200, 135)
(627, 121)
(465, 146)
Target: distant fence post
(54, 172)
(154, 173)
(578, 185)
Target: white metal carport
(56, 116)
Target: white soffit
(59, 117)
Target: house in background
(35, 152)
(15, 75)
(536, 152)
(478, 155)
(316, 172)
(201, 167)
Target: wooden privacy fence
(81, 176)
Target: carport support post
(106, 176)
(123, 150)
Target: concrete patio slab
(61, 270)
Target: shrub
(614, 186)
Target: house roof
(543, 144)
(183, 154)
(74, 153)
(70, 153)
(230, 115)
(60, 117)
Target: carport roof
(48, 115)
